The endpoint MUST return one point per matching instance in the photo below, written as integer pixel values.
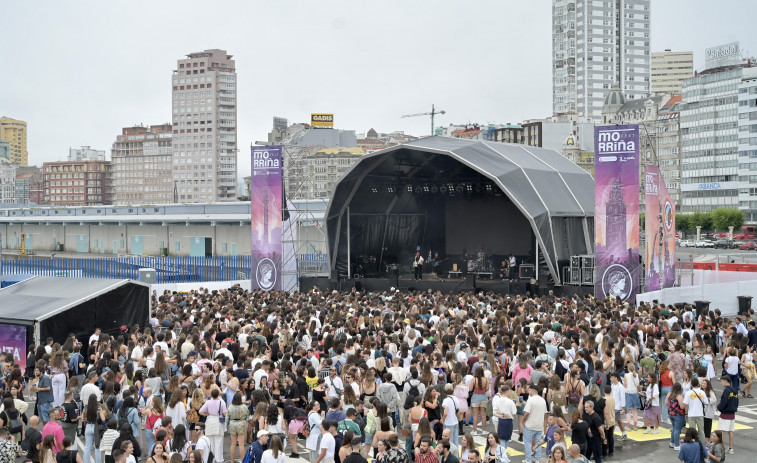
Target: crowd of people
(396, 376)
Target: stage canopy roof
(74, 305)
(554, 194)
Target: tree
(683, 222)
(724, 218)
(702, 219)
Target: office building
(77, 183)
(14, 132)
(596, 44)
(670, 69)
(142, 165)
(7, 181)
(204, 127)
(85, 153)
(714, 173)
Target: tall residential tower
(14, 132)
(596, 44)
(205, 127)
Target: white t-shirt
(334, 384)
(328, 443)
(451, 405)
(258, 375)
(536, 407)
(695, 405)
(268, 457)
(203, 444)
(732, 365)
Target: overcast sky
(78, 72)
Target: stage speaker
(587, 261)
(470, 281)
(358, 285)
(526, 271)
(575, 261)
(587, 276)
(395, 279)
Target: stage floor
(444, 285)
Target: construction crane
(432, 114)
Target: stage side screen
(494, 224)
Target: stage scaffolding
(304, 234)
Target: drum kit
(480, 262)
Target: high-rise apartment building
(205, 127)
(14, 132)
(596, 44)
(670, 69)
(142, 165)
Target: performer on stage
(513, 267)
(435, 262)
(504, 270)
(418, 265)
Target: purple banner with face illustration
(13, 341)
(616, 211)
(652, 236)
(265, 198)
(668, 236)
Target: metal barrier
(167, 269)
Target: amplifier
(587, 276)
(587, 261)
(575, 276)
(526, 271)
(575, 261)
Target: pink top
(54, 428)
(519, 373)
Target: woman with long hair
(59, 371)
(314, 420)
(179, 444)
(558, 455)
(652, 410)
(748, 371)
(479, 399)
(466, 445)
(47, 450)
(346, 449)
(154, 414)
(177, 410)
(237, 416)
(159, 454)
(709, 409)
(494, 451)
(423, 430)
(275, 452)
(633, 403)
(93, 416)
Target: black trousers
(419, 272)
(594, 449)
(609, 447)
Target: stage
(443, 285)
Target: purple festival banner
(652, 236)
(13, 341)
(616, 211)
(265, 199)
(668, 236)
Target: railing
(167, 269)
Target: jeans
(149, 439)
(44, 411)
(89, 443)
(663, 404)
(529, 436)
(675, 434)
(455, 436)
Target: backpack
(560, 369)
(558, 398)
(412, 393)
(574, 398)
(123, 417)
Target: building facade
(5, 150)
(77, 183)
(85, 153)
(7, 181)
(14, 132)
(143, 165)
(205, 127)
(596, 44)
(747, 144)
(670, 69)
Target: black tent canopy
(54, 306)
(451, 194)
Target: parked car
(747, 246)
(724, 244)
(686, 243)
(704, 244)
